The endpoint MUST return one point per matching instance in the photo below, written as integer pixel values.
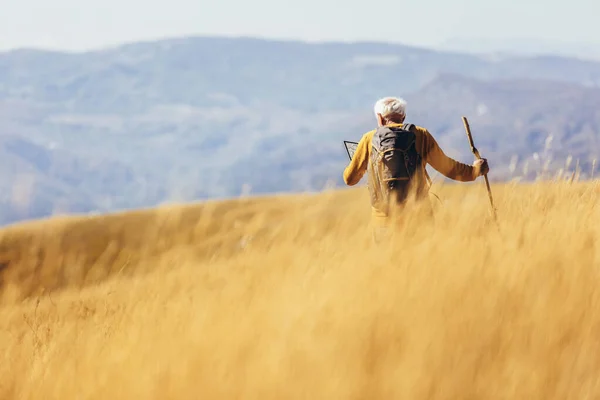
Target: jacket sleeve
(445, 165)
(358, 165)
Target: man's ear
(380, 120)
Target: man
(391, 113)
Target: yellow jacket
(430, 152)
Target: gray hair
(389, 106)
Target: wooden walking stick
(476, 153)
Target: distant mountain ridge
(196, 118)
(524, 47)
(193, 71)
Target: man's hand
(481, 167)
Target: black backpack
(393, 164)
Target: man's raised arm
(358, 165)
(447, 166)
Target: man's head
(390, 110)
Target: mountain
(535, 121)
(199, 71)
(198, 118)
(524, 47)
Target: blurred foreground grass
(282, 298)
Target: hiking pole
(476, 154)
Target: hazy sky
(85, 24)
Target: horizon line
(150, 40)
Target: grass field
(285, 298)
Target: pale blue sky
(85, 24)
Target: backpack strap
(408, 127)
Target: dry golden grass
(283, 298)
